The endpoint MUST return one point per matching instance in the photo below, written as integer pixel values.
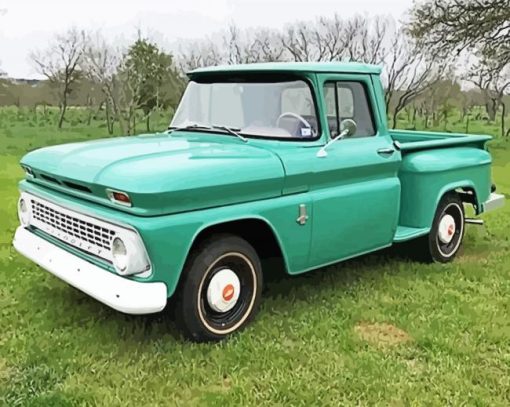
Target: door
(355, 189)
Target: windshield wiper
(231, 130)
(198, 126)
(188, 127)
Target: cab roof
(287, 67)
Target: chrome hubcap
(223, 290)
(446, 229)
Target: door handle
(385, 151)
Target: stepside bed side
(427, 175)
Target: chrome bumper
(122, 294)
(495, 201)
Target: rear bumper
(495, 201)
(122, 294)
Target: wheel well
(255, 231)
(468, 195)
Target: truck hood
(162, 173)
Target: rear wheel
(220, 290)
(445, 237)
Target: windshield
(279, 109)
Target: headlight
(119, 253)
(24, 212)
(128, 254)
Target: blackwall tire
(443, 242)
(220, 289)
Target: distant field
(380, 329)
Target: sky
(27, 25)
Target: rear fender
(426, 176)
(466, 189)
(420, 214)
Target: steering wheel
(294, 115)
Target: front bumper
(495, 201)
(122, 294)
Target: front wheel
(220, 290)
(445, 237)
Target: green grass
(376, 330)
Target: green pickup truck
(280, 160)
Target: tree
(494, 84)
(59, 63)
(437, 102)
(456, 25)
(480, 26)
(300, 43)
(265, 47)
(367, 39)
(100, 65)
(198, 54)
(139, 77)
(408, 73)
(150, 80)
(238, 46)
(333, 38)
(360, 39)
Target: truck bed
(432, 164)
(421, 140)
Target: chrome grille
(84, 232)
(75, 227)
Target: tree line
(442, 43)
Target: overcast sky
(26, 25)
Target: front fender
(169, 238)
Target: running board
(404, 233)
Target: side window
(348, 100)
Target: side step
(404, 233)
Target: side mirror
(347, 128)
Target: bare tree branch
(59, 63)
(447, 26)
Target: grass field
(380, 329)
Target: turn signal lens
(118, 197)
